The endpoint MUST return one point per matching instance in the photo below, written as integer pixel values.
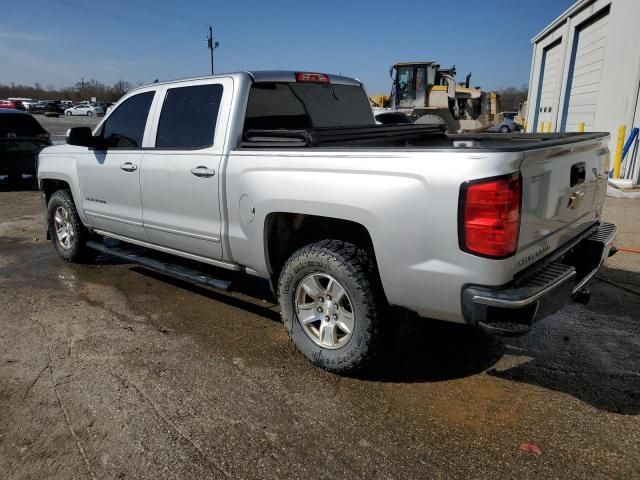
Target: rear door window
(18, 125)
(188, 117)
(125, 126)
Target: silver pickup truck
(286, 176)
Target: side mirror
(81, 136)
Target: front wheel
(68, 235)
(505, 129)
(68, 114)
(331, 305)
(89, 114)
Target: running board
(177, 271)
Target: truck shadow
(425, 350)
(587, 352)
(420, 350)
(254, 289)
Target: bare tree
(512, 97)
(80, 91)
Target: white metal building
(586, 69)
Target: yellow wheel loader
(429, 94)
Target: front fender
(58, 163)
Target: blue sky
(56, 42)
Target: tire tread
(357, 264)
(80, 252)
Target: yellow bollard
(524, 126)
(581, 127)
(548, 129)
(618, 159)
(540, 127)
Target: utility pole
(211, 45)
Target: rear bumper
(514, 308)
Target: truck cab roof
(263, 76)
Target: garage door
(585, 73)
(550, 73)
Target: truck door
(110, 177)
(180, 177)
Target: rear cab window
(289, 105)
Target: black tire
(353, 269)
(77, 250)
(89, 114)
(505, 129)
(68, 114)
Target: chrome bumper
(512, 309)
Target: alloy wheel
(324, 310)
(65, 233)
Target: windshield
(283, 105)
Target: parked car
(53, 109)
(26, 102)
(38, 107)
(21, 139)
(13, 104)
(85, 109)
(505, 124)
(286, 176)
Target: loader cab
(422, 84)
(411, 82)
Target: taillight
(312, 77)
(489, 216)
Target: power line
(163, 12)
(191, 20)
(130, 19)
(237, 45)
(227, 33)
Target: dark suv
(21, 139)
(38, 107)
(54, 109)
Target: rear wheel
(89, 114)
(331, 305)
(68, 235)
(68, 114)
(504, 129)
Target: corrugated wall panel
(552, 70)
(587, 63)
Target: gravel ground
(109, 371)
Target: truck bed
(406, 136)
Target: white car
(88, 110)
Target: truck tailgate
(563, 189)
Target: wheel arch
(49, 186)
(286, 232)
(50, 182)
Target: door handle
(202, 171)
(128, 167)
